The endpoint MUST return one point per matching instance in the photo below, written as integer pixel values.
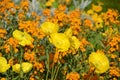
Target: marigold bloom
(73, 76)
(96, 8)
(48, 28)
(3, 65)
(22, 37)
(26, 67)
(39, 66)
(3, 78)
(111, 16)
(24, 5)
(56, 57)
(3, 32)
(99, 61)
(114, 71)
(88, 24)
(29, 56)
(60, 40)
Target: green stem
(47, 64)
(57, 72)
(11, 56)
(52, 76)
(21, 55)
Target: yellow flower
(68, 32)
(75, 43)
(110, 31)
(60, 40)
(16, 68)
(96, 8)
(3, 65)
(90, 12)
(95, 16)
(26, 67)
(49, 3)
(99, 61)
(48, 28)
(98, 20)
(23, 37)
(3, 61)
(99, 23)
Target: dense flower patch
(58, 40)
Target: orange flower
(114, 43)
(29, 56)
(114, 71)
(24, 5)
(7, 48)
(73, 76)
(32, 28)
(83, 44)
(39, 66)
(46, 12)
(75, 22)
(62, 7)
(111, 16)
(88, 23)
(96, 8)
(56, 57)
(3, 79)
(2, 33)
(11, 42)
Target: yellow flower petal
(48, 28)
(90, 12)
(18, 35)
(75, 43)
(26, 67)
(60, 40)
(23, 37)
(16, 68)
(3, 65)
(68, 32)
(99, 23)
(48, 3)
(4, 68)
(99, 61)
(3, 61)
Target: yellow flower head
(49, 3)
(23, 37)
(75, 43)
(48, 28)
(99, 23)
(99, 61)
(3, 65)
(90, 12)
(26, 67)
(60, 40)
(68, 32)
(96, 8)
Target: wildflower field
(59, 40)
